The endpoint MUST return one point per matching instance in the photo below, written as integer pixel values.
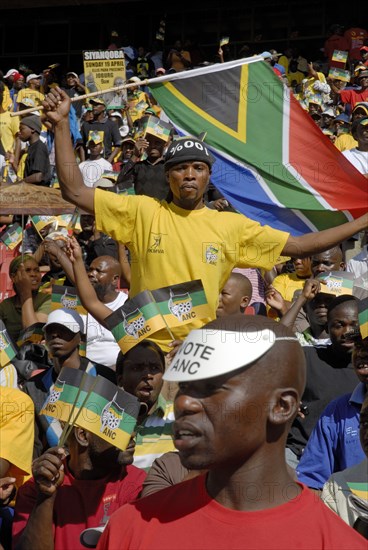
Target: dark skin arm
(48, 475)
(310, 290)
(56, 108)
(23, 285)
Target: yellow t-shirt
(7, 100)
(17, 432)
(37, 96)
(345, 142)
(9, 127)
(287, 284)
(170, 245)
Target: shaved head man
(235, 296)
(240, 383)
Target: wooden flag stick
(94, 94)
(71, 425)
(63, 433)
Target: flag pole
(62, 436)
(163, 318)
(99, 93)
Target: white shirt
(102, 347)
(359, 264)
(92, 170)
(359, 159)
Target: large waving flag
(273, 163)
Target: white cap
(69, 318)
(90, 537)
(209, 352)
(10, 72)
(32, 76)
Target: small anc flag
(180, 304)
(8, 350)
(33, 334)
(66, 296)
(339, 74)
(39, 222)
(12, 236)
(340, 56)
(337, 282)
(224, 40)
(109, 413)
(67, 394)
(160, 34)
(363, 317)
(136, 320)
(153, 126)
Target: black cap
(185, 149)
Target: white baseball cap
(10, 72)
(32, 76)
(69, 318)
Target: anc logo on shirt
(211, 254)
(180, 304)
(133, 322)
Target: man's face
(102, 276)
(32, 269)
(317, 309)
(342, 323)
(220, 420)
(363, 81)
(188, 182)
(142, 375)
(105, 456)
(127, 149)
(302, 266)
(35, 83)
(19, 83)
(95, 148)
(87, 222)
(24, 132)
(230, 299)
(360, 361)
(155, 148)
(61, 341)
(97, 109)
(71, 80)
(362, 134)
(327, 261)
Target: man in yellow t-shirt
(9, 126)
(178, 240)
(32, 91)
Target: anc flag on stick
(8, 350)
(180, 304)
(135, 320)
(363, 317)
(273, 163)
(67, 394)
(12, 236)
(154, 310)
(33, 334)
(66, 296)
(110, 413)
(337, 282)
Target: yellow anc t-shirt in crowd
(35, 95)
(170, 245)
(16, 432)
(9, 127)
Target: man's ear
(244, 302)
(284, 406)
(81, 436)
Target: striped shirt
(154, 435)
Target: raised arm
(56, 108)
(310, 290)
(85, 290)
(313, 243)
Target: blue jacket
(334, 443)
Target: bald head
(104, 274)
(235, 296)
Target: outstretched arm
(313, 243)
(85, 290)
(310, 290)
(56, 108)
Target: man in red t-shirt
(69, 494)
(240, 379)
(352, 96)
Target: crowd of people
(253, 414)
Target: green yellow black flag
(337, 282)
(8, 350)
(66, 296)
(33, 334)
(109, 413)
(180, 304)
(12, 236)
(136, 320)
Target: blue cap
(266, 55)
(343, 117)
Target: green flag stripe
(198, 299)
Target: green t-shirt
(11, 312)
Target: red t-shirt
(355, 37)
(79, 504)
(353, 96)
(185, 517)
